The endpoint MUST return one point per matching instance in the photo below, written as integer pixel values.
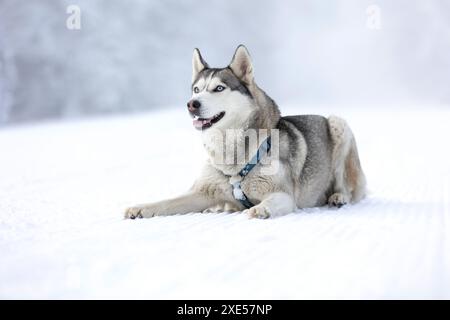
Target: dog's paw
(260, 212)
(137, 212)
(337, 200)
(216, 209)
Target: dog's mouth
(204, 123)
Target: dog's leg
(190, 202)
(349, 180)
(223, 207)
(275, 204)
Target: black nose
(196, 104)
(193, 105)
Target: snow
(64, 187)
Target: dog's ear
(241, 65)
(198, 64)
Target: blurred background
(128, 56)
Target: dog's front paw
(133, 213)
(137, 212)
(260, 212)
(217, 209)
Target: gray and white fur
(318, 159)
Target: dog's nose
(193, 105)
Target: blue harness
(238, 194)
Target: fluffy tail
(349, 180)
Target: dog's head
(222, 97)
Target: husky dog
(317, 161)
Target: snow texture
(64, 187)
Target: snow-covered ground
(64, 186)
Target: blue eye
(219, 89)
(196, 90)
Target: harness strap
(238, 194)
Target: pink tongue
(200, 123)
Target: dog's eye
(196, 90)
(219, 89)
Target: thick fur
(318, 160)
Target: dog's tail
(348, 174)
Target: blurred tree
(135, 55)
